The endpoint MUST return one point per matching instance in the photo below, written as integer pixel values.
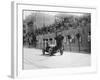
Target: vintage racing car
(52, 49)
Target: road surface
(33, 59)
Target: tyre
(43, 52)
(61, 52)
(50, 51)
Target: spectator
(89, 41)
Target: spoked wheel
(43, 52)
(61, 51)
(50, 52)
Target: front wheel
(50, 51)
(43, 52)
(61, 52)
